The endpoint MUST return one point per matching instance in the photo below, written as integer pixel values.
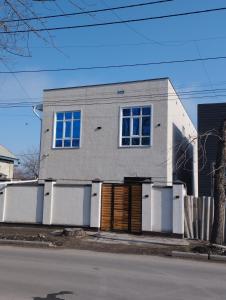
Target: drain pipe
(39, 107)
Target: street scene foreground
(39, 274)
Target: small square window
(125, 141)
(126, 112)
(76, 115)
(135, 141)
(75, 143)
(67, 143)
(60, 116)
(146, 110)
(146, 141)
(58, 143)
(136, 111)
(68, 115)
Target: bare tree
(219, 189)
(218, 172)
(14, 15)
(29, 165)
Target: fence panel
(23, 204)
(198, 217)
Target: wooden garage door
(121, 208)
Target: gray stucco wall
(100, 155)
(182, 138)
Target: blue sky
(158, 40)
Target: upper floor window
(135, 126)
(67, 129)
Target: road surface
(51, 274)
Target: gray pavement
(131, 239)
(40, 274)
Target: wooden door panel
(121, 208)
(106, 207)
(136, 208)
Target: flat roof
(106, 84)
(212, 103)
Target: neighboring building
(118, 132)
(7, 160)
(210, 118)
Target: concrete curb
(198, 256)
(189, 255)
(218, 258)
(25, 243)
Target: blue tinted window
(60, 116)
(59, 130)
(67, 129)
(125, 141)
(76, 115)
(136, 111)
(75, 143)
(136, 126)
(67, 143)
(146, 126)
(146, 141)
(76, 129)
(68, 115)
(146, 110)
(126, 127)
(58, 143)
(126, 112)
(135, 141)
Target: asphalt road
(39, 274)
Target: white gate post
(3, 188)
(95, 212)
(146, 205)
(179, 193)
(48, 201)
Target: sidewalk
(130, 239)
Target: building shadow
(54, 296)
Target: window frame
(131, 123)
(54, 130)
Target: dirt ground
(85, 241)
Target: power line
(88, 12)
(116, 66)
(116, 22)
(168, 43)
(138, 99)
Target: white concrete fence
(80, 205)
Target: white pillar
(146, 205)
(179, 193)
(3, 191)
(95, 213)
(48, 202)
